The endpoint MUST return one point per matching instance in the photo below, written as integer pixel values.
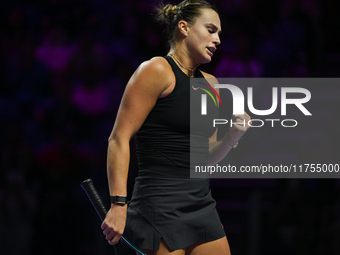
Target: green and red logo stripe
(208, 92)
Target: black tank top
(163, 141)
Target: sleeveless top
(166, 204)
(168, 140)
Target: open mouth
(210, 49)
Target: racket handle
(98, 205)
(94, 197)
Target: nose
(217, 40)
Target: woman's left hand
(240, 124)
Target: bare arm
(218, 150)
(147, 84)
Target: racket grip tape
(94, 197)
(98, 205)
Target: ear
(183, 27)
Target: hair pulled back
(187, 10)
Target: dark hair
(187, 10)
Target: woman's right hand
(114, 224)
(152, 79)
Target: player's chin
(206, 59)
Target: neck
(184, 61)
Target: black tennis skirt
(179, 211)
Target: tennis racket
(98, 205)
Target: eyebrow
(215, 27)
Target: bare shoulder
(160, 62)
(155, 67)
(209, 76)
(211, 79)
(156, 72)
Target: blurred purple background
(64, 65)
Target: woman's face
(203, 36)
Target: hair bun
(169, 11)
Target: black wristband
(118, 200)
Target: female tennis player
(169, 212)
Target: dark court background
(63, 68)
